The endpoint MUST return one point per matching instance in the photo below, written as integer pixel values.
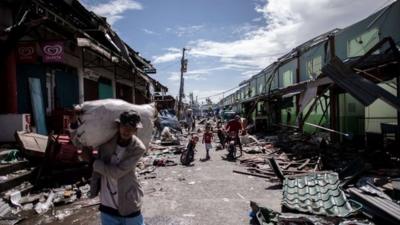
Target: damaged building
(65, 54)
(344, 82)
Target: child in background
(221, 134)
(207, 138)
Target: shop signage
(150, 70)
(26, 52)
(53, 51)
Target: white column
(81, 85)
(114, 87)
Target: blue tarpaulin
(37, 105)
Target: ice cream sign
(26, 52)
(53, 51)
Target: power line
(220, 93)
(168, 66)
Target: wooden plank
(15, 181)
(303, 165)
(251, 174)
(32, 144)
(12, 167)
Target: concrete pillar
(9, 85)
(133, 89)
(81, 85)
(114, 87)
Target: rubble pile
(336, 184)
(25, 195)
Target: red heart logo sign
(25, 51)
(53, 50)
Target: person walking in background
(190, 120)
(207, 139)
(221, 134)
(235, 125)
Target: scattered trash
(12, 156)
(15, 198)
(27, 207)
(43, 207)
(61, 214)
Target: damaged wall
(317, 115)
(383, 23)
(287, 73)
(351, 115)
(288, 111)
(312, 61)
(380, 112)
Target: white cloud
(249, 73)
(147, 31)
(216, 95)
(181, 31)
(245, 28)
(113, 9)
(202, 74)
(172, 55)
(288, 23)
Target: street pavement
(205, 193)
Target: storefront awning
(87, 43)
(288, 95)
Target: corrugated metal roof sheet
(316, 193)
(360, 88)
(379, 207)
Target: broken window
(319, 115)
(314, 67)
(358, 46)
(253, 88)
(288, 110)
(380, 112)
(261, 83)
(260, 109)
(287, 78)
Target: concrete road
(206, 193)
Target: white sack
(248, 139)
(98, 121)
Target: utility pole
(183, 69)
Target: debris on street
(311, 138)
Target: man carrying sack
(120, 192)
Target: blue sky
(229, 40)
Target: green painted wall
(105, 91)
(287, 73)
(289, 112)
(351, 115)
(316, 116)
(308, 56)
(380, 112)
(387, 24)
(23, 94)
(261, 84)
(253, 88)
(67, 89)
